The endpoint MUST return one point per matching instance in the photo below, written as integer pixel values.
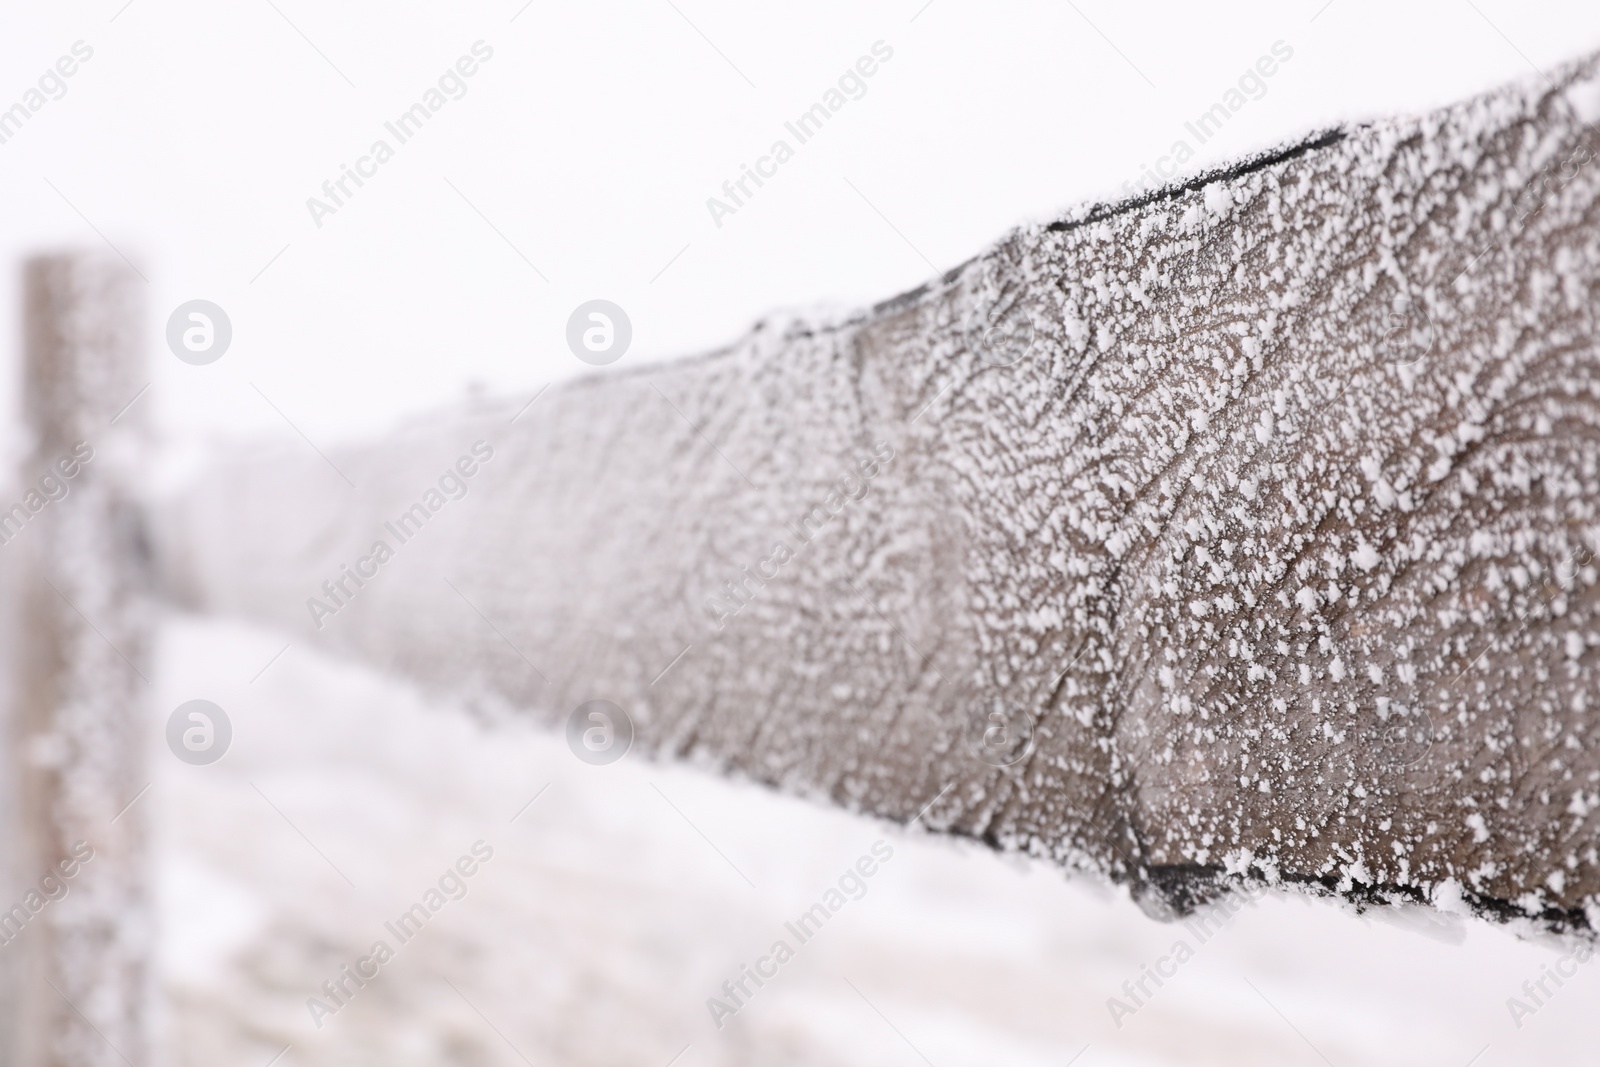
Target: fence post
(78, 967)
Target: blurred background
(574, 164)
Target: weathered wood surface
(1269, 502)
(76, 920)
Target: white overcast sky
(590, 142)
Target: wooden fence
(1241, 531)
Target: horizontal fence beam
(1241, 531)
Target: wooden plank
(1243, 530)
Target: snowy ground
(624, 896)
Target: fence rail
(1243, 530)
